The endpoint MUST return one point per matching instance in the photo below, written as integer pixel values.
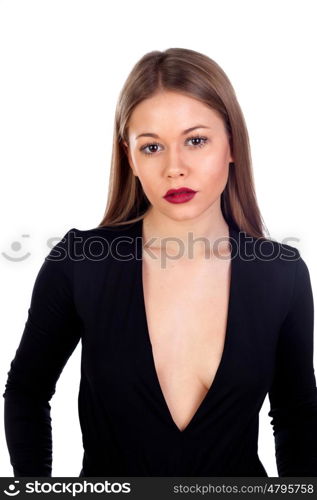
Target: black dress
(90, 288)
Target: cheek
(148, 182)
(215, 173)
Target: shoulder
(270, 261)
(272, 271)
(93, 244)
(266, 250)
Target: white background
(62, 64)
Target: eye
(198, 138)
(202, 141)
(149, 145)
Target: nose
(175, 174)
(175, 165)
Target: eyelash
(201, 145)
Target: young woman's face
(164, 157)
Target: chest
(186, 305)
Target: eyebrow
(149, 134)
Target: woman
(188, 315)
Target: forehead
(173, 111)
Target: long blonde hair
(196, 75)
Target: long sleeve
(293, 394)
(51, 333)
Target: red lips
(179, 190)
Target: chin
(181, 214)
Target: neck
(194, 236)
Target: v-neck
(149, 347)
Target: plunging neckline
(149, 346)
